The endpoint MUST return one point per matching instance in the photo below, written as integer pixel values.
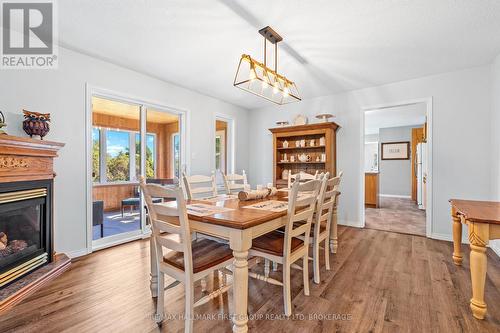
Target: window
(96, 154)
(119, 147)
(176, 148)
(117, 156)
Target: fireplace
(25, 228)
(27, 258)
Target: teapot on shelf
(304, 158)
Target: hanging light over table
(257, 78)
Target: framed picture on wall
(395, 150)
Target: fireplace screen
(22, 233)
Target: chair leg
(305, 272)
(287, 296)
(161, 296)
(266, 268)
(317, 279)
(189, 313)
(275, 266)
(327, 255)
(102, 229)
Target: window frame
(172, 140)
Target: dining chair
(334, 243)
(322, 221)
(199, 186)
(303, 176)
(234, 182)
(177, 255)
(286, 248)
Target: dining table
(239, 226)
(483, 221)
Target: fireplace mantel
(24, 159)
(26, 163)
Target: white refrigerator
(421, 173)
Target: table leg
(478, 238)
(153, 283)
(457, 238)
(240, 242)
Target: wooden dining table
(239, 226)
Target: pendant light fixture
(258, 79)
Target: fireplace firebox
(25, 228)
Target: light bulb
(252, 75)
(286, 92)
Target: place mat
(220, 197)
(270, 205)
(200, 209)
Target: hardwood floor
(379, 282)
(398, 215)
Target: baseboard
(77, 253)
(353, 224)
(444, 237)
(395, 196)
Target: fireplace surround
(27, 257)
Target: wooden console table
(483, 220)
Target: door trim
(361, 172)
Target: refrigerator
(421, 173)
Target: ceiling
(408, 115)
(130, 111)
(329, 46)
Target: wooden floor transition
(379, 282)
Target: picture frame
(395, 150)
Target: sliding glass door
(129, 141)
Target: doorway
(129, 139)
(223, 148)
(396, 168)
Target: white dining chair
(303, 176)
(199, 186)
(334, 243)
(286, 248)
(177, 255)
(234, 182)
(322, 221)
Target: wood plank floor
(398, 215)
(379, 282)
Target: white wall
(461, 137)
(62, 93)
(495, 137)
(395, 175)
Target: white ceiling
(408, 115)
(329, 46)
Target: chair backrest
(301, 207)
(303, 176)
(171, 220)
(326, 201)
(234, 182)
(199, 186)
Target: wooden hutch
(294, 136)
